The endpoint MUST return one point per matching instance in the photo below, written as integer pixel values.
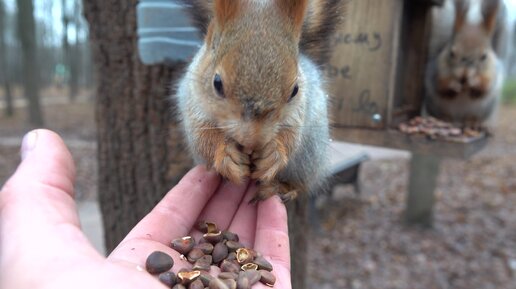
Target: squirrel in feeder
(252, 102)
(464, 79)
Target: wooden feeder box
(376, 77)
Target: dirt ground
(361, 241)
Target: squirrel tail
(321, 22)
(201, 12)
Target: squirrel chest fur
(252, 102)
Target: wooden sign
(362, 71)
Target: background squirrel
(465, 74)
(252, 101)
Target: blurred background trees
(44, 54)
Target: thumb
(37, 203)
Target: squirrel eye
(217, 84)
(294, 92)
(483, 57)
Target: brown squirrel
(464, 79)
(252, 102)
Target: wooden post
(424, 170)
(298, 231)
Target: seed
(229, 266)
(206, 248)
(205, 278)
(231, 256)
(220, 252)
(228, 275)
(234, 245)
(230, 283)
(249, 266)
(213, 238)
(183, 245)
(230, 236)
(263, 263)
(197, 284)
(243, 281)
(179, 286)
(188, 277)
(168, 278)
(207, 227)
(267, 278)
(158, 262)
(203, 264)
(195, 255)
(244, 255)
(253, 276)
(217, 283)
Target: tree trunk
(9, 111)
(75, 56)
(140, 149)
(27, 36)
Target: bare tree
(27, 37)
(74, 58)
(9, 111)
(140, 149)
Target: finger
(244, 221)
(175, 215)
(272, 233)
(222, 206)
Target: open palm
(42, 245)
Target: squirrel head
(470, 49)
(248, 69)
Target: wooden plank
(424, 170)
(409, 95)
(362, 69)
(414, 143)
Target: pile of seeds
(240, 267)
(435, 128)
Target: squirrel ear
(461, 13)
(295, 10)
(489, 13)
(226, 10)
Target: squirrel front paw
(231, 162)
(269, 161)
(286, 192)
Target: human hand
(42, 245)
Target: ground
(361, 241)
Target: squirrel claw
(289, 196)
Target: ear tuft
(461, 13)
(489, 14)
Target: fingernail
(28, 143)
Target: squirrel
(252, 102)
(463, 80)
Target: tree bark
(9, 111)
(140, 150)
(27, 37)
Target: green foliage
(509, 91)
